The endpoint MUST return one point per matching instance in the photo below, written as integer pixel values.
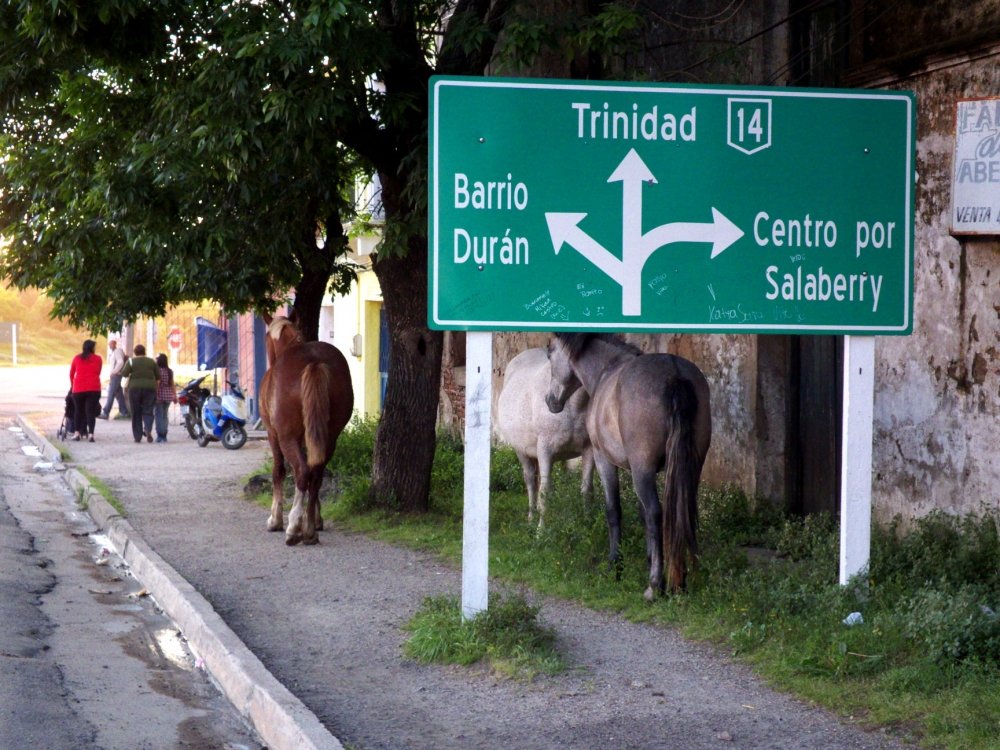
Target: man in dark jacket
(143, 374)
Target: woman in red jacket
(85, 377)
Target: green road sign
(654, 207)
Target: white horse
(538, 436)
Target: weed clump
(508, 635)
(954, 625)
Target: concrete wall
(937, 398)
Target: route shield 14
(567, 205)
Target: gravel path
(325, 620)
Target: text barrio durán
(500, 195)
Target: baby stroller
(68, 425)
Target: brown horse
(306, 400)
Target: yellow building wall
(373, 389)
(354, 313)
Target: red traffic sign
(174, 339)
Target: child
(166, 394)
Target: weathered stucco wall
(729, 363)
(937, 397)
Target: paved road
(87, 661)
(34, 390)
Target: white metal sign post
(476, 515)
(8, 332)
(856, 456)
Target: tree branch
(471, 36)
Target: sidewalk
(274, 713)
(325, 621)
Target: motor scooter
(191, 398)
(224, 419)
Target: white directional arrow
(721, 233)
(636, 246)
(563, 229)
(631, 173)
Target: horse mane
(576, 342)
(278, 326)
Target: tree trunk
(404, 442)
(309, 293)
(317, 266)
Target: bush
(505, 471)
(448, 474)
(814, 536)
(355, 448)
(954, 625)
(940, 550)
(728, 516)
(352, 463)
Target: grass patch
(507, 636)
(101, 486)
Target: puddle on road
(30, 450)
(102, 541)
(174, 649)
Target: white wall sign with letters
(975, 180)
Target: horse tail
(315, 388)
(680, 494)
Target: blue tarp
(212, 345)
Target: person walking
(166, 394)
(116, 361)
(143, 376)
(85, 380)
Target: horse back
(286, 380)
(631, 411)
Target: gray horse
(647, 413)
(538, 436)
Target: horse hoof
(314, 539)
(291, 541)
(272, 526)
(650, 594)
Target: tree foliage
(160, 150)
(130, 184)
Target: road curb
(282, 720)
(49, 452)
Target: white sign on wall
(975, 180)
